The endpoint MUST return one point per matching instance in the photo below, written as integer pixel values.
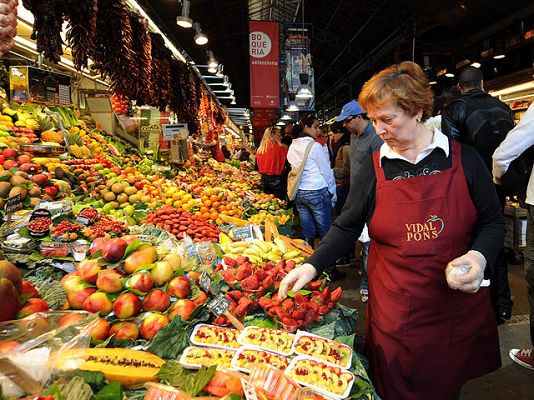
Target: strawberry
(235, 294)
(243, 271)
(336, 294)
(261, 274)
(264, 301)
(241, 260)
(300, 299)
(288, 305)
(230, 262)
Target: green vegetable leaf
(341, 321)
(196, 382)
(53, 390)
(95, 379)
(132, 247)
(172, 373)
(112, 391)
(137, 394)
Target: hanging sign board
(264, 64)
(245, 233)
(175, 131)
(219, 305)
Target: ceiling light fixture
(292, 107)
(219, 72)
(212, 62)
(304, 92)
(498, 50)
(200, 38)
(449, 75)
(183, 20)
(476, 64)
(233, 102)
(286, 117)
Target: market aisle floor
(511, 382)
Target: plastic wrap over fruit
(26, 345)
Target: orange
(206, 215)
(214, 215)
(177, 204)
(207, 203)
(215, 204)
(214, 197)
(198, 213)
(204, 198)
(204, 210)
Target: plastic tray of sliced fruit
(246, 357)
(328, 379)
(322, 349)
(194, 357)
(267, 339)
(215, 336)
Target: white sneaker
(364, 295)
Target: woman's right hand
(299, 277)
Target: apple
(179, 287)
(51, 190)
(140, 283)
(9, 271)
(162, 272)
(151, 324)
(40, 179)
(156, 300)
(98, 302)
(114, 249)
(127, 305)
(89, 269)
(146, 254)
(109, 281)
(101, 330)
(10, 153)
(201, 298)
(183, 308)
(124, 330)
(32, 306)
(71, 319)
(8, 164)
(9, 298)
(23, 159)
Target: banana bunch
(259, 251)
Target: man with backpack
(482, 121)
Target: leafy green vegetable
(259, 320)
(95, 379)
(76, 389)
(341, 321)
(137, 394)
(53, 390)
(171, 340)
(112, 391)
(174, 374)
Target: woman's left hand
(469, 282)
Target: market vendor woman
(430, 206)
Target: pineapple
(52, 136)
(43, 121)
(77, 146)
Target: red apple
(9, 271)
(72, 281)
(89, 269)
(183, 308)
(179, 287)
(113, 250)
(40, 179)
(124, 330)
(8, 164)
(127, 305)
(51, 190)
(10, 153)
(109, 281)
(9, 299)
(156, 300)
(98, 302)
(71, 319)
(32, 306)
(151, 324)
(140, 283)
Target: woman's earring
(418, 119)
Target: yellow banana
(255, 260)
(252, 252)
(299, 260)
(263, 245)
(273, 257)
(292, 254)
(237, 250)
(281, 245)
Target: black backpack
(487, 128)
(517, 176)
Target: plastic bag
(26, 345)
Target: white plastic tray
(300, 334)
(264, 357)
(230, 346)
(322, 367)
(265, 343)
(218, 362)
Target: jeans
(529, 267)
(363, 264)
(315, 212)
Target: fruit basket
(43, 149)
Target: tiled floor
(511, 382)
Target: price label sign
(175, 131)
(245, 204)
(205, 282)
(219, 305)
(14, 203)
(83, 220)
(245, 233)
(249, 390)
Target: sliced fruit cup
(158, 391)
(272, 383)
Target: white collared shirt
(438, 140)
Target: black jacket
(454, 116)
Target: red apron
(425, 340)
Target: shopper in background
(340, 146)
(271, 158)
(465, 119)
(322, 139)
(517, 141)
(431, 208)
(363, 142)
(226, 152)
(215, 148)
(317, 188)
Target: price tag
(219, 305)
(249, 390)
(14, 203)
(205, 282)
(245, 204)
(83, 220)
(245, 233)
(175, 131)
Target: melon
(126, 366)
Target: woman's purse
(293, 179)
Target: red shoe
(524, 357)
